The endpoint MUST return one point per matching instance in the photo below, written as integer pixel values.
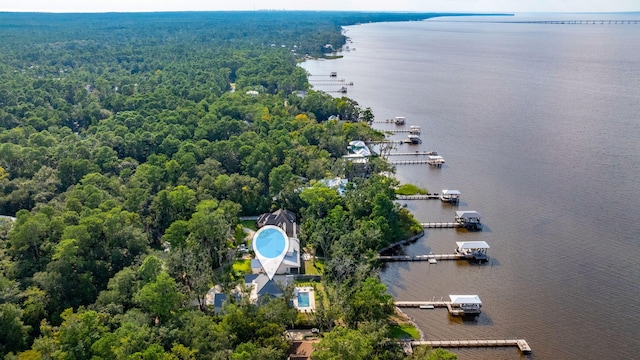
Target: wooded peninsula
(131, 145)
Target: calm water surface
(539, 125)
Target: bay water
(539, 125)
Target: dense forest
(130, 145)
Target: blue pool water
(303, 299)
(270, 243)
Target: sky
(514, 6)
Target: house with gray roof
(286, 220)
(260, 286)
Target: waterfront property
(259, 285)
(358, 147)
(285, 220)
(337, 183)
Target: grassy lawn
(310, 269)
(404, 331)
(242, 266)
(410, 189)
(251, 224)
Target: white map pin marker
(270, 245)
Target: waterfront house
(336, 183)
(286, 220)
(358, 147)
(260, 286)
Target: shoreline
(402, 242)
(410, 321)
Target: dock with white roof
(465, 250)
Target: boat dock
(421, 153)
(398, 120)
(330, 82)
(405, 141)
(440, 225)
(418, 304)
(460, 305)
(465, 250)
(430, 257)
(430, 305)
(418, 197)
(408, 162)
(402, 131)
(411, 130)
(520, 343)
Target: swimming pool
(270, 242)
(303, 299)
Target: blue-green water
(270, 243)
(539, 126)
(303, 299)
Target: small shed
(469, 219)
(465, 304)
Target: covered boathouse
(450, 196)
(462, 305)
(469, 220)
(474, 250)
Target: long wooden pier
(431, 305)
(520, 343)
(417, 304)
(402, 131)
(388, 142)
(330, 82)
(421, 153)
(429, 257)
(418, 197)
(408, 162)
(440, 225)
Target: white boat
(399, 120)
(414, 129)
